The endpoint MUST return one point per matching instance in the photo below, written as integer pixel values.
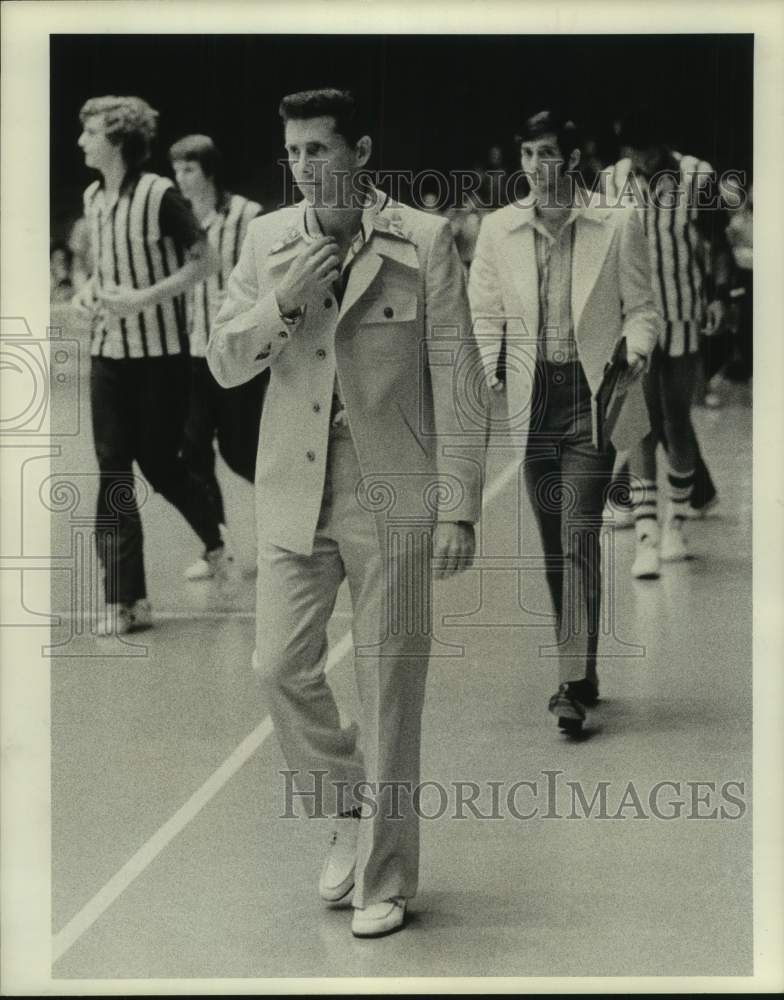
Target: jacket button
(321, 353)
(389, 312)
(311, 456)
(317, 407)
(327, 303)
(283, 335)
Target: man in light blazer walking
(367, 464)
(565, 280)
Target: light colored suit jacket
(402, 346)
(611, 298)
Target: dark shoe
(570, 703)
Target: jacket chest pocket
(397, 306)
(388, 327)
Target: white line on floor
(147, 853)
(143, 858)
(198, 616)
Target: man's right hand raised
(311, 272)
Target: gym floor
(170, 855)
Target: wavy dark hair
(550, 122)
(129, 122)
(342, 105)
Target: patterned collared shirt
(554, 254)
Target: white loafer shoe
(337, 875)
(379, 918)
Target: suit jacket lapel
(363, 270)
(520, 255)
(387, 239)
(591, 242)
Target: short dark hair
(555, 123)
(339, 104)
(129, 123)
(202, 150)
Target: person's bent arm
(252, 328)
(641, 319)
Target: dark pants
(138, 414)
(669, 390)
(567, 481)
(741, 364)
(230, 415)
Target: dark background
(437, 101)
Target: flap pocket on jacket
(391, 308)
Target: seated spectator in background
(230, 415)
(61, 286)
(590, 163)
(492, 191)
(740, 238)
(431, 203)
(79, 245)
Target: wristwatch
(291, 318)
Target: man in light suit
(565, 280)
(366, 467)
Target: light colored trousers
(390, 595)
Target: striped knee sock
(644, 501)
(681, 485)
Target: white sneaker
(119, 619)
(200, 570)
(379, 918)
(337, 875)
(218, 562)
(674, 546)
(646, 556)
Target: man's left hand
(715, 317)
(453, 548)
(119, 300)
(636, 365)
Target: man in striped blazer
(230, 415)
(690, 290)
(148, 251)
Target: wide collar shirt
(554, 257)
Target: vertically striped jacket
(129, 249)
(676, 246)
(226, 229)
